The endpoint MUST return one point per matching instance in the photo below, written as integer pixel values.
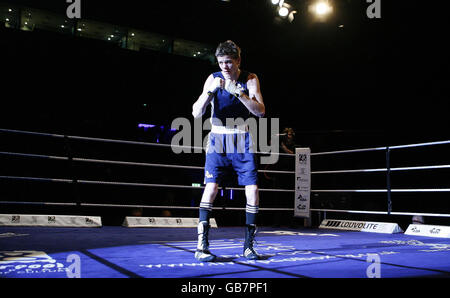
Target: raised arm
(210, 87)
(254, 101)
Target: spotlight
(286, 11)
(321, 8)
(283, 12)
(275, 2)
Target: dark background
(373, 82)
(384, 75)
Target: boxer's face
(229, 66)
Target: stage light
(321, 8)
(283, 12)
(286, 11)
(275, 2)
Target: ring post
(72, 171)
(303, 184)
(388, 180)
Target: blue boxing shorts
(225, 151)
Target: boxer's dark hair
(228, 48)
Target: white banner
(27, 220)
(361, 226)
(163, 222)
(429, 231)
(302, 182)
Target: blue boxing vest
(224, 105)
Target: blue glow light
(146, 126)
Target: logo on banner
(351, 225)
(332, 223)
(303, 182)
(301, 207)
(301, 198)
(435, 231)
(302, 158)
(89, 221)
(415, 230)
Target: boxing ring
(300, 252)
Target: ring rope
(381, 212)
(202, 168)
(134, 206)
(381, 190)
(70, 181)
(383, 169)
(224, 208)
(178, 146)
(37, 203)
(129, 163)
(231, 188)
(193, 187)
(121, 141)
(382, 148)
(179, 207)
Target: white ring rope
(381, 212)
(41, 179)
(383, 170)
(380, 190)
(230, 188)
(121, 141)
(191, 147)
(130, 163)
(383, 148)
(179, 207)
(387, 148)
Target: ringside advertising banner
(428, 231)
(302, 182)
(361, 226)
